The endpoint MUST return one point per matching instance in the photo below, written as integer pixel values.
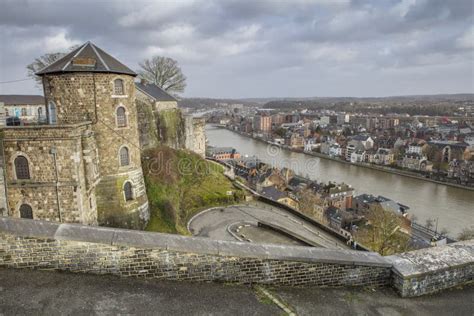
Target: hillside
(180, 184)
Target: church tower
(90, 87)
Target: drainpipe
(53, 152)
(2, 146)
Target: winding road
(218, 223)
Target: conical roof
(87, 58)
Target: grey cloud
(237, 45)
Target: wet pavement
(27, 292)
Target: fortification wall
(62, 162)
(434, 269)
(77, 248)
(99, 250)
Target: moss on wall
(170, 128)
(180, 184)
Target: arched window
(26, 211)
(118, 86)
(22, 169)
(121, 117)
(128, 191)
(124, 157)
(52, 112)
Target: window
(124, 157)
(23, 112)
(128, 191)
(22, 169)
(40, 112)
(121, 117)
(118, 86)
(52, 113)
(26, 211)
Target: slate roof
(87, 58)
(154, 91)
(273, 193)
(20, 99)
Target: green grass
(179, 185)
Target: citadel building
(84, 165)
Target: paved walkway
(27, 292)
(214, 223)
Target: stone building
(28, 108)
(84, 166)
(161, 122)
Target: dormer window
(118, 87)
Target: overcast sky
(257, 48)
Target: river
(453, 207)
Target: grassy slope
(180, 184)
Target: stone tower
(91, 87)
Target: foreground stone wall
(430, 270)
(77, 248)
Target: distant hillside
(315, 102)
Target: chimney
(143, 81)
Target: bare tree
(164, 72)
(383, 233)
(467, 233)
(44, 61)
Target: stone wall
(434, 269)
(90, 96)
(61, 185)
(195, 134)
(166, 105)
(77, 248)
(148, 134)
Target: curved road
(214, 224)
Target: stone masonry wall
(76, 172)
(90, 96)
(434, 269)
(69, 247)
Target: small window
(124, 157)
(128, 191)
(121, 117)
(22, 169)
(118, 87)
(26, 211)
(52, 112)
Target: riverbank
(404, 173)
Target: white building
(29, 109)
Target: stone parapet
(100, 250)
(434, 269)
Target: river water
(453, 207)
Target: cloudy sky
(257, 48)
